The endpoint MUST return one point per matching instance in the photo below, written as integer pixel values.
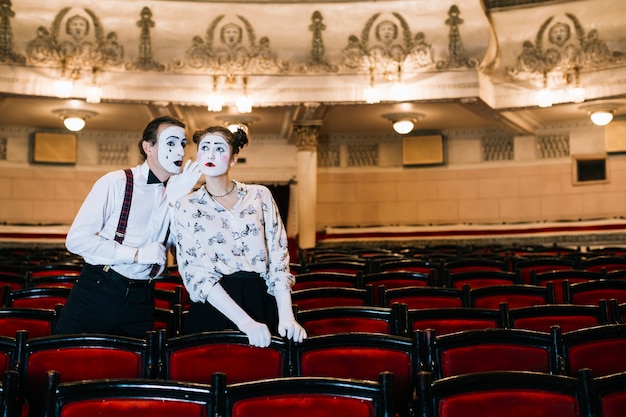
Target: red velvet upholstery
(124, 397)
(125, 407)
(515, 295)
(591, 292)
(38, 322)
(607, 263)
(527, 268)
(424, 297)
(613, 405)
(599, 348)
(603, 357)
(510, 403)
(505, 393)
(303, 405)
(239, 362)
(610, 392)
(489, 358)
(362, 356)
(449, 325)
(389, 320)
(53, 281)
(83, 357)
(326, 279)
(558, 277)
(568, 316)
(448, 320)
(481, 278)
(343, 266)
(492, 350)
(310, 397)
(567, 323)
(321, 297)
(229, 352)
(346, 324)
(397, 279)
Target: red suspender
(128, 197)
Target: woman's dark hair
(150, 132)
(236, 140)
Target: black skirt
(248, 289)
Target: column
(306, 135)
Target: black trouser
(249, 290)
(107, 302)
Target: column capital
(306, 133)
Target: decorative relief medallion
(562, 46)
(231, 47)
(75, 41)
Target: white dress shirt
(92, 234)
(212, 241)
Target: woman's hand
(292, 330)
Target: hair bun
(240, 138)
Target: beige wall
(466, 189)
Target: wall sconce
(215, 101)
(73, 119)
(63, 87)
(403, 122)
(244, 103)
(601, 114)
(371, 93)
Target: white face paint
(214, 155)
(171, 148)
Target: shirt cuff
(125, 254)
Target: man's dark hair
(150, 132)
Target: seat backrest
(568, 316)
(457, 319)
(58, 280)
(480, 278)
(515, 296)
(41, 297)
(84, 356)
(505, 393)
(185, 358)
(424, 297)
(38, 322)
(493, 349)
(407, 264)
(35, 271)
(127, 397)
(600, 348)
(326, 279)
(558, 277)
(527, 267)
(311, 396)
(605, 263)
(338, 265)
(398, 279)
(591, 292)
(321, 297)
(609, 395)
(368, 319)
(364, 356)
(463, 264)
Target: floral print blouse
(212, 241)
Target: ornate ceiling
(461, 64)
